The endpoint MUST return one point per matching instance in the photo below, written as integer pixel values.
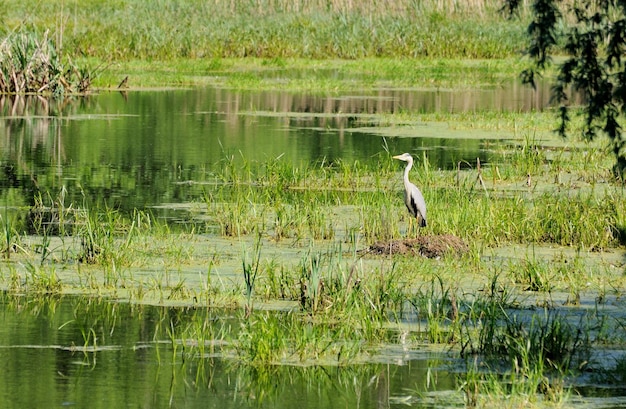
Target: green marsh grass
(235, 218)
(268, 338)
(364, 43)
(33, 63)
(106, 237)
(437, 305)
(532, 275)
(311, 283)
(541, 340)
(524, 356)
(9, 236)
(526, 388)
(214, 30)
(41, 280)
(318, 298)
(250, 267)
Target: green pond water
(142, 150)
(50, 360)
(137, 149)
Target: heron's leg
(409, 230)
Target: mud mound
(427, 246)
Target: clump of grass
(34, 64)
(268, 338)
(326, 284)
(251, 271)
(279, 282)
(237, 218)
(320, 224)
(311, 283)
(262, 338)
(41, 280)
(523, 386)
(100, 234)
(521, 355)
(10, 236)
(278, 174)
(287, 220)
(532, 275)
(543, 340)
(438, 305)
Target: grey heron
(412, 196)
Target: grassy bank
(308, 75)
(166, 30)
(269, 44)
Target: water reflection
(94, 353)
(131, 149)
(513, 97)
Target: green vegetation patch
(310, 75)
(130, 29)
(34, 64)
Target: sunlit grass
(248, 45)
(131, 29)
(287, 257)
(334, 201)
(322, 76)
(319, 298)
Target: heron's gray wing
(415, 203)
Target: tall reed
(30, 63)
(250, 271)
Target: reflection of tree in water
(38, 106)
(33, 129)
(33, 150)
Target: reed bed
(497, 209)
(350, 202)
(331, 302)
(34, 64)
(275, 29)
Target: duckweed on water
(286, 243)
(272, 267)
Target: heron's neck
(406, 171)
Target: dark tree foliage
(592, 34)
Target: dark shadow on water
(620, 234)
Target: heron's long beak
(397, 157)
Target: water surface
(74, 352)
(139, 150)
(131, 149)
